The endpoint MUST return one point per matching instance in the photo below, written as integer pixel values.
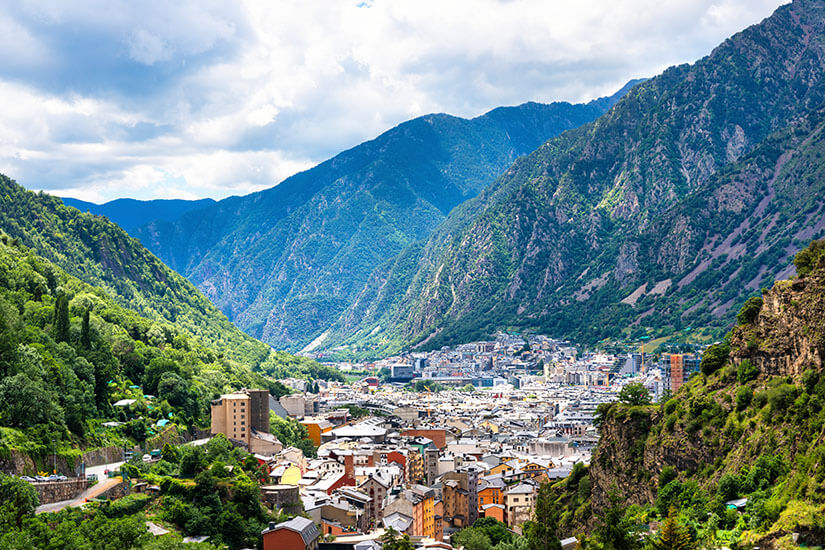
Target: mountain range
(657, 210)
(130, 214)
(284, 263)
(665, 214)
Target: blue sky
(189, 99)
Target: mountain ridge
(573, 229)
(282, 263)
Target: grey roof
(303, 526)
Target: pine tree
(85, 336)
(61, 318)
(672, 535)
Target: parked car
(91, 477)
(147, 458)
(41, 478)
(30, 479)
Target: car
(30, 479)
(147, 458)
(91, 477)
(41, 478)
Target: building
(680, 366)
(519, 503)
(244, 417)
(296, 534)
(231, 416)
(316, 427)
(258, 409)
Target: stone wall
(57, 491)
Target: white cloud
(195, 98)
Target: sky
(200, 98)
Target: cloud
(204, 98)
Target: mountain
(101, 254)
(131, 214)
(664, 214)
(283, 263)
(748, 427)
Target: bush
(746, 372)
(744, 395)
(747, 315)
(714, 358)
(728, 488)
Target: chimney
(349, 466)
(271, 525)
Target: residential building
(296, 534)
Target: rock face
(708, 429)
(788, 335)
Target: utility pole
(54, 456)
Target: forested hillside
(663, 215)
(285, 262)
(67, 351)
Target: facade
(231, 416)
(680, 367)
(519, 503)
(296, 534)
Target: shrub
(746, 372)
(747, 315)
(714, 358)
(744, 396)
(668, 474)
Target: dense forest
(68, 351)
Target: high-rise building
(230, 416)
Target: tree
(714, 358)
(807, 259)
(541, 532)
(170, 453)
(85, 331)
(25, 403)
(393, 540)
(493, 528)
(634, 394)
(747, 315)
(672, 535)
(616, 532)
(18, 499)
(192, 460)
(61, 318)
(472, 538)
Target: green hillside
(748, 427)
(667, 212)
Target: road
(100, 487)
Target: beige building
(230, 416)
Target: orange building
(296, 534)
(316, 427)
(490, 495)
